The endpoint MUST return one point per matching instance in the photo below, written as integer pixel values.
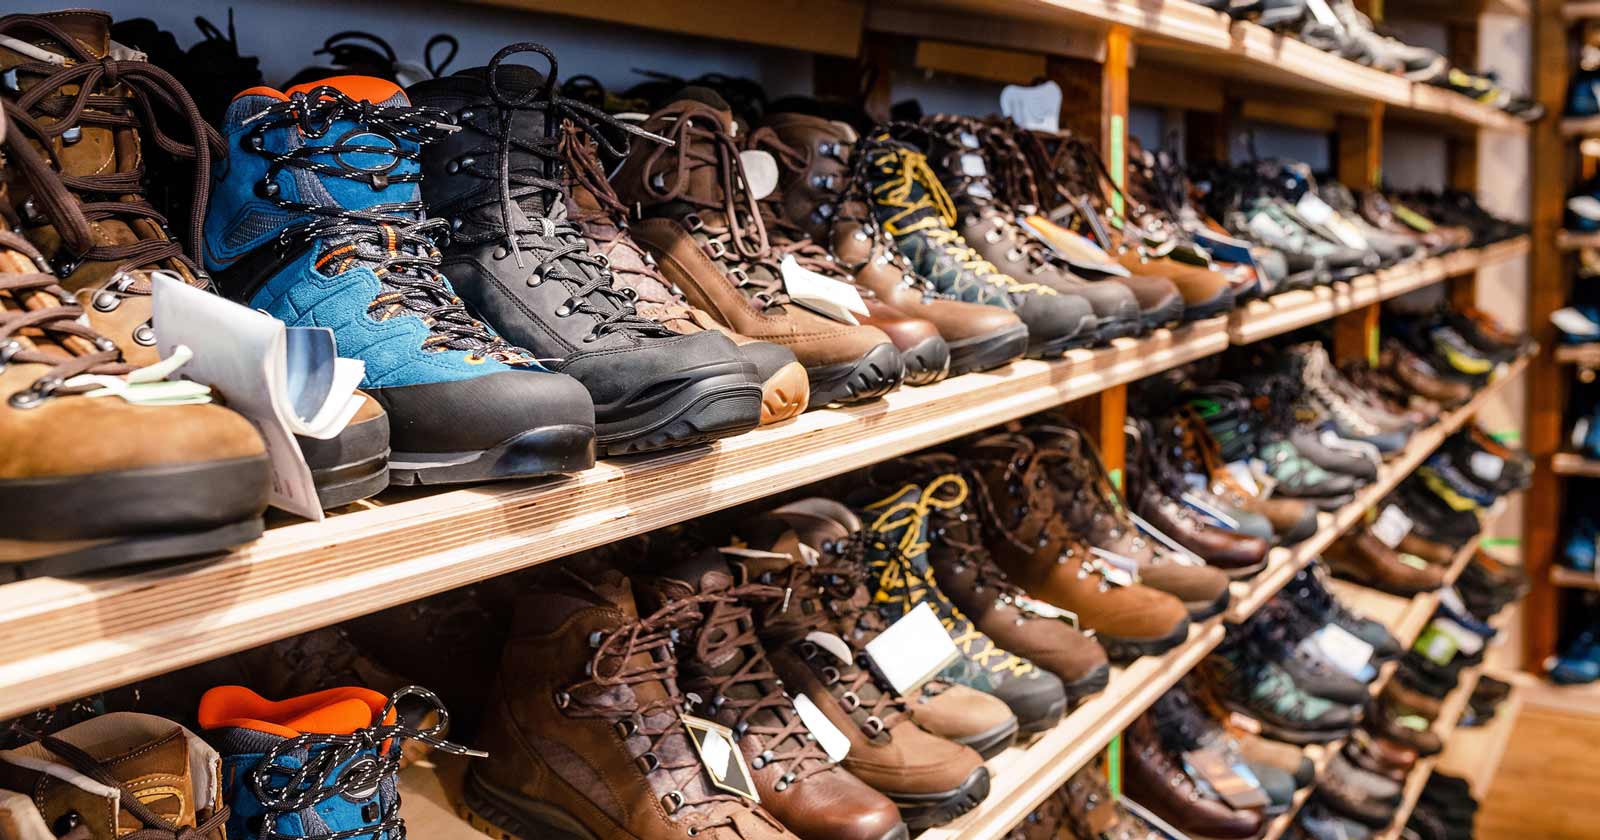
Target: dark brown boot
(1362, 557)
(1154, 778)
(585, 727)
(723, 666)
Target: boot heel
(485, 811)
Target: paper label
(832, 741)
(1466, 641)
(1212, 766)
(1313, 209)
(1181, 554)
(822, 294)
(1043, 610)
(1265, 226)
(1342, 648)
(1210, 510)
(721, 757)
(284, 388)
(760, 172)
(1439, 647)
(834, 645)
(1487, 465)
(1392, 526)
(912, 650)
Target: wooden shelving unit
(1580, 10)
(1582, 355)
(1573, 464)
(1572, 240)
(1573, 579)
(1474, 753)
(1445, 728)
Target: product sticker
(822, 294)
(1392, 526)
(1487, 465)
(832, 741)
(721, 757)
(913, 650)
(1347, 652)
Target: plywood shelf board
(1573, 464)
(1023, 777)
(1574, 579)
(1583, 355)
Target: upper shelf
(1581, 10)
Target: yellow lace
(898, 572)
(906, 169)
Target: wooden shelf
(1292, 310)
(1445, 726)
(1573, 579)
(61, 639)
(1573, 464)
(1024, 777)
(1582, 355)
(1570, 241)
(1474, 753)
(1581, 10)
(1284, 563)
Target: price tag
(834, 645)
(1342, 648)
(1487, 466)
(721, 757)
(1392, 526)
(1439, 647)
(822, 294)
(832, 741)
(913, 650)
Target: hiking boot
(77, 186)
(354, 464)
(1160, 495)
(727, 678)
(117, 775)
(1093, 509)
(1362, 557)
(1028, 537)
(160, 481)
(959, 149)
(1292, 520)
(898, 540)
(702, 223)
(595, 207)
(1308, 591)
(519, 261)
(1156, 779)
(933, 780)
(1245, 681)
(310, 238)
(976, 586)
(824, 194)
(914, 208)
(584, 711)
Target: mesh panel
(256, 225)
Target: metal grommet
(145, 336)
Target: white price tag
(1392, 526)
(1487, 466)
(819, 293)
(1313, 208)
(913, 650)
(832, 741)
(834, 645)
(1342, 648)
(1243, 477)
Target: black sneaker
(527, 269)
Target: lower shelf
(1574, 579)
(1573, 464)
(1445, 728)
(1474, 753)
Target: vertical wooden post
(1359, 142)
(1547, 381)
(1462, 153)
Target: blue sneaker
(1583, 208)
(1583, 100)
(1578, 324)
(316, 219)
(1580, 662)
(319, 765)
(1579, 552)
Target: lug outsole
(551, 450)
(927, 362)
(928, 810)
(867, 378)
(987, 352)
(1126, 650)
(706, 411)
(994, 742)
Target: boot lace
(1024, 477)
(391, 238)
(46, 113)
(975, 192)
(70, 346)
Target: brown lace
(789, 239)
(607, 227)
(733, 223)
(763, 710)
(152, 825)
(51, 310)
(59, 192)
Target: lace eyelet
(562, 699)
(873, 726)
(7, 350)
(144, 336)
(672, 802)
(649, 763)
(267, 189)
(105, 302)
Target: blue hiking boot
(1579, 552)
(321, 765)
(317, 220)
(1579, 663)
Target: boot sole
(1220, 305)
(712, 408)
(349, 483)
(987, 352)
(926, 810)
(1118, 326)
(1090, 684)
(866, 378)
(994, 742)
(1164, 315)
(1125, 650)
(1291, 736)
(1043, 722)
(927, 362)
(138, 516)
(1055, 348)
(1202, 610)
(507, 816)
(551, 450)
(785, 394)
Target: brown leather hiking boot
(933, 780)
(723, 666)
(1028, 536)
(1043, 823)
(703, 225)
(594, 205)
(1090, 811)
(1156, 779)
(1362, 557)
(585, 727)
(1094, 510)
(1155, 491)
(86, 483)
(1293, 520)
(77, 184)
(970, 578)
(823, 194)
(112, 776)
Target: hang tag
(821, 294)
(835, 646)
(760, 172)
(1212, 766)
(1078, 250)
(1313, 209)
(1487, 466)
(1039, 608)
(913, 650)
(1437, 646)
(1344, 649)
(1119, 570)
(1392, 526)
(832, 741)
(148, 385)
(1466, 641)
(1242, 476)
(721, 757)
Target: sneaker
(305, 235)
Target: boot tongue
(516, 83)
(90, 28)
